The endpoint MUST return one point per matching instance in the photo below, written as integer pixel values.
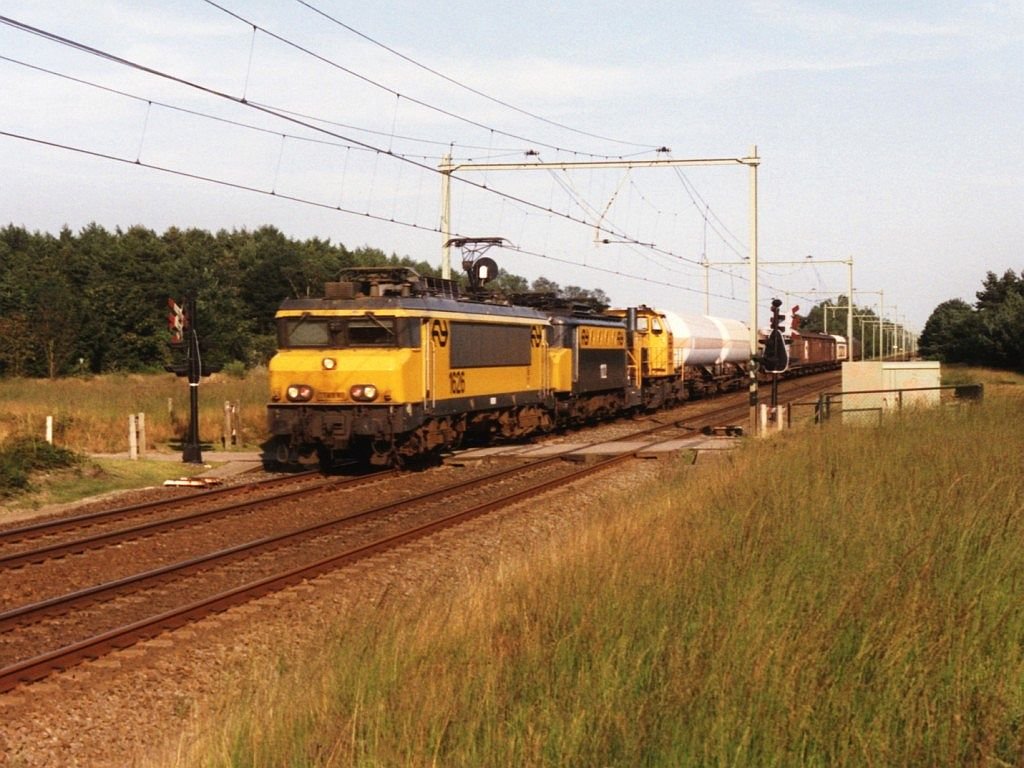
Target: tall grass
(91, 414)
(833, 597)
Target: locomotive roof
(602, 320)
(426, 305)
(402, 289)
(801, 333)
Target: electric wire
(508, 152)
(282, 114)
(176, 108)
(729, 240)
(306, 201)
(615, 272)
(220, 94)
(370, 81)
(220, 182)
(462, 85)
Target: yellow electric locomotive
(390, 365)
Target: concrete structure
(873, 387)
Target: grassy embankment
(838, 596)
(90, 416)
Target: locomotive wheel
(278, 456)
(384, 454)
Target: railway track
(60, 630)
(71, 535)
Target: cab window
(314, 331)
(371, 331)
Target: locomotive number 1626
(457, 380)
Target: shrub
(22, 455)
(235, 369)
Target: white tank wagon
(706, 340)
(712, 352)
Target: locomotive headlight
(329, 363)
(299, 393)
(363, 392)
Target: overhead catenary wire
(729, 240)
(183, 110)
(248, 126)
(265, 110)
(351, 143)
(293, 198)
(506, 152)
(370, 81)
(464, 86)
(214, 180)
(616, 272)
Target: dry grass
(91, 415)
(833, 597)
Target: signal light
(776, 321)
(176, 321)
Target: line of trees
(989, 333)
(96, 301)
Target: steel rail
(16, 559)
(40, 666)
(48, 527)
(61, 603)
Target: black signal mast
(185, 336)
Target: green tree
(16, 348)
(270, 269)
(38, 298)
(595, 295)
(543, 285)
(92, 267)
(139, 274)
(508, 284)
(951, 333)
(1003, 333)
(995, 291)
(203, 267)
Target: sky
(889, 136)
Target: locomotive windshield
(334, 332)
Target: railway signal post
(776, 356)
(184, 336)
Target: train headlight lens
(363, 392)
(299, 393)
(329, 363)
